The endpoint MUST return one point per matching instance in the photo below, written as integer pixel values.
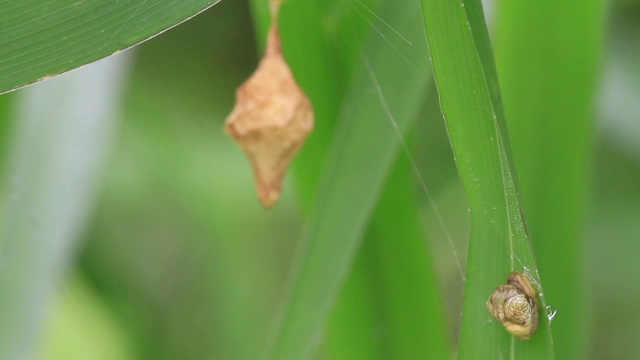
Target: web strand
(382, 35)
(379, 19)
(414, 166)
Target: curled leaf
(271, 120)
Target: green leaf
(364, 148)
(470, 100)
(391, 306)
(549, 102)
(43, 38)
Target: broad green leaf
(470, 100)
(43, 38)
(548, 75)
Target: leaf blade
(367, 141)
(549, 98)
(470, 101)
(41, 39)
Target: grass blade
(549, 102)
(391, 307)
(470, 100)
(360, 157)
(41, 39)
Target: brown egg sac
(271, 120)
(515, 305)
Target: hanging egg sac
(271, 119)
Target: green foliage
(359, 158)
(549, 102)
(41, 39)
(178, 261)
(470, 100)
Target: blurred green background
(178, 260)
